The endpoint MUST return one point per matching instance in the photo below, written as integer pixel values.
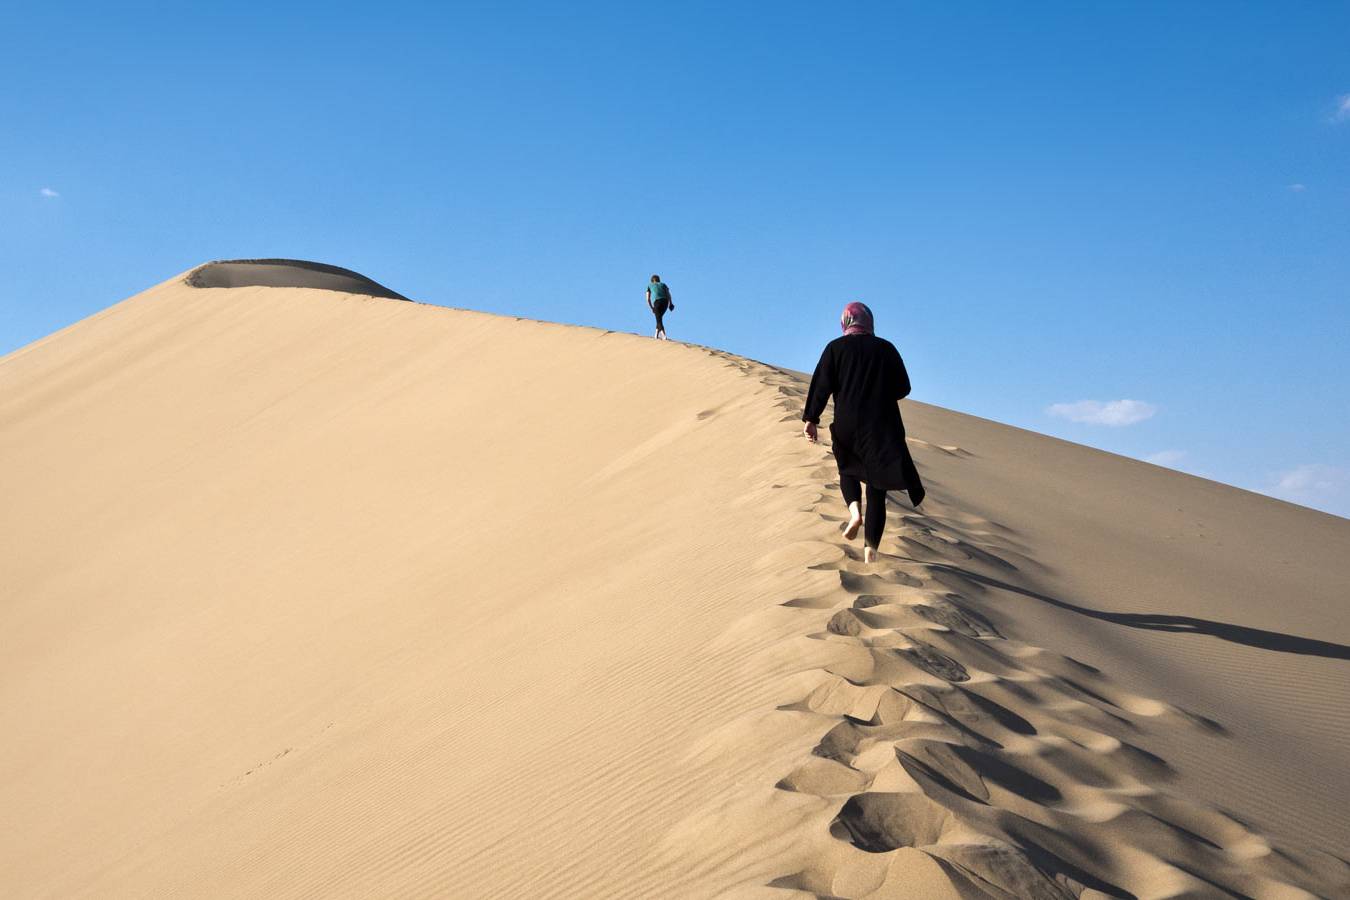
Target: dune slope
(316, 593)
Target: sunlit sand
(312, 591)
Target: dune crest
(308, 595)
(286, 273)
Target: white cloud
(1320, 486)
(1342, 113)
(1166, 457)
(1097, 412)
(1313, 481)
(48, 192)
(1298, 187)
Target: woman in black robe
(867, 378)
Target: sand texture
(308, 592)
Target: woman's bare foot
(854, 521)
(869, 554)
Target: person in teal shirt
(658, 301)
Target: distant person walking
(658, 301)
(867, 378)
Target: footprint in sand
(934, 662)
(880, 823)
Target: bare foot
(854, 521)
(869, 555)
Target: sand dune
(313, 593)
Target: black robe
(867, 378)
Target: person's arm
(899, 377)
(822, 386)
(670, 298)
(649, 300)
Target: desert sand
(309, 591)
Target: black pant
(659, 309)
(875, 525)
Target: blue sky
(1047, 205)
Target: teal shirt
(659, 291)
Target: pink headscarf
(857, 319)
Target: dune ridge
(285, 273)
(350, 607)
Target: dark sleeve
(822, 386)
(899, 377)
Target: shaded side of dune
(927, 744)
(286, 273)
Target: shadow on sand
(1238, 634)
